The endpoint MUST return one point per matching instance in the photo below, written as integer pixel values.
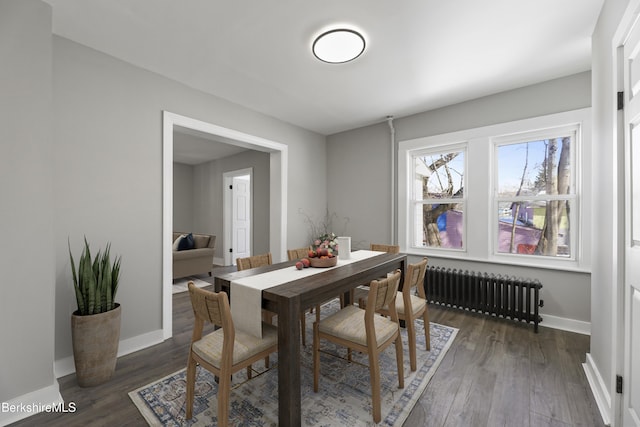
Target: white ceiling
(421, 54)
(191, 147)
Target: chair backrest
(254, 261)
(298, 253)
(211, 307)
(382, 292)
(415, 277)
(392, 249)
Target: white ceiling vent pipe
(392, 132)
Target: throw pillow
(177, 241)
(186, 243)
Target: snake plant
(95, 281)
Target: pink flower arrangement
(327, 241)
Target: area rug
(344, 397)
(181, 284)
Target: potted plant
(95, 325)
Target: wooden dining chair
(223, 351)
(364, 331)
(392, 249)
(298, 253)
(254, 261)
(411, 307)
(360, 293)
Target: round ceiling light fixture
(338, 46)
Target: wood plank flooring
(497, 373)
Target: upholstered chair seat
(417, 304)
(348, 324)
(245, 345)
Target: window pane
(535, 168)
(534, 228)
(438, 176)
(439, 225)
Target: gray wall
(359, 181)
(26, 256)
(183, 198)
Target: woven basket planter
(95, 346)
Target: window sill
(536, 263)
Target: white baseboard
(598, 388)
(565, 324)
(66, 365)
(47, 399)
(218, 261)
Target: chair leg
(400, 361)
(303, 328)
(411, 333)
(249, 372)
(374, 373)
(191, 385)
(316, 357)
(224, 391)
(427, 328)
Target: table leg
(289, 407)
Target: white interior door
(241, 216)
(237, 214)
(631, 376)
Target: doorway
(278, 160)
(238, 212)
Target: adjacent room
(425, 212)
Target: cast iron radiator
(504, 296)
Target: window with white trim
(535, 193)
(437, 198)
(509, 193)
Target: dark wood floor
(497, 373)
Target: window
(438, 198)
(510, 193)
(535, 193)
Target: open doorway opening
(278, 156)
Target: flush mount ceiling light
(338, 46)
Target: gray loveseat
(198, 260)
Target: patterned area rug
(181, 284)
(344, 397)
